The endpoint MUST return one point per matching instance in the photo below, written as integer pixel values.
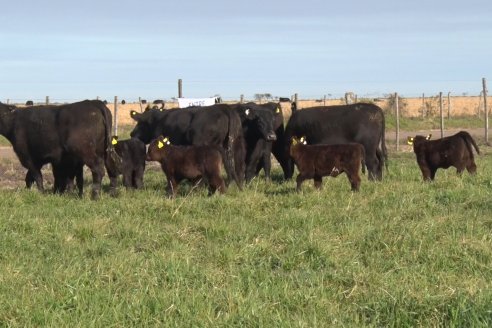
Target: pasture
(399, 253)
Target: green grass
(430, 123)
(399, 253)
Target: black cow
(277, 146)
(132, 152)
(360, 123)
(455, 150)
(259, 133)
(187, 162)
(217, 125)
(67, 136)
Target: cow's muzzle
(271, 136)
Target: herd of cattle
(194, 143)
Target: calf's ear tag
(428, 137)
(166, 141)
(278, 110)
(247, 112)
(114, 141)
(160, 144)
(303, 140)
(410, 140)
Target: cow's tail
(111, 159)
(383, 143)
(469, 141)
(363, 158)
(235, 149)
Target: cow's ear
(428, 137)
(410, 141)
(134, 115)
(114, 140)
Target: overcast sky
(75, 50)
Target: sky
(73, 50)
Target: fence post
(116, 116)
(241, 99)
(47, 100)
(324, 100)
(8, 101)
(180, 88)
(295, 104)
(423, 105)
(397, 107)
(485, 109)
(442, 116)
(449, 105)
(140, 104)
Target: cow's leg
(373, 166)
(471, 167)
(215, 182)
(97, 168)
(79, 178)
(172, 187)
(318, 182)
(127, 178)
(36, 176)
(29, 179)
(267, 160)
(138, 178)
(300, 179)
(433, 173)
(61, 176)
(354, 181)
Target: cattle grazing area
(400, 252)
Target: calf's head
(157, 149)
(417, 140)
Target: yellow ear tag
(303, 140)
(278, 110)
(114, 141)
(428, 137)
(132, 113)
(410, 141)
(160, 144)
(294, 141)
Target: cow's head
(147, 123)
(418, 139)
(257, 120)
(155, 152)
(6, 117)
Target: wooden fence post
(324, 100)
(241, 99)
(140, 104)
(442, 116)
(47, 102)
(180, 88)
(423, 105)
(449, 105)
(116, 115)
(485, 109)
(397, 108)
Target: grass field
(398, 253)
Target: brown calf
(443, 153)
(317, 161)
(187, 162)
